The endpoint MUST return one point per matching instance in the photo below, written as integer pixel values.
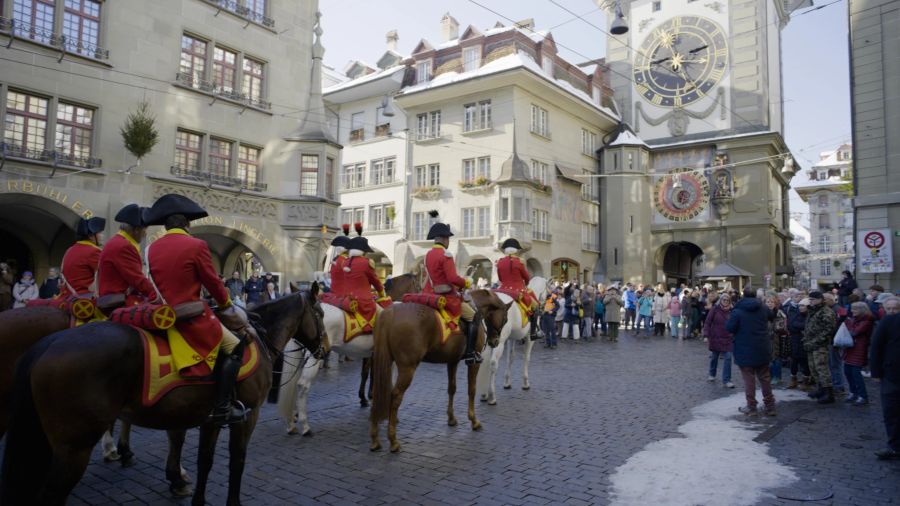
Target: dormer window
(471, 58)
(423, 72)
(547, 65)
(822, 175)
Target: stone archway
(35, 232)
(481, 268)
(233, 250)
(534, 267)
(678, 262)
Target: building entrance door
(679, 262)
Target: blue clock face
(681, 61)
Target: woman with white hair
(860, 324)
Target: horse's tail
(28, 455)
(290, 375)
(483, 379)
(382, 367)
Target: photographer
(7, 278)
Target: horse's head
(494, 314)
(297, 316)
(311, 331)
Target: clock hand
(661, 60)
(701, 48)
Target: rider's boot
(535, 333)
(227, 409)
(471, 355)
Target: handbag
(843, 338)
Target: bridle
(316, 314)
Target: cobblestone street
(591, 406)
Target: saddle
(82, 308)
(355, 323)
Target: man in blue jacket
(752, 350)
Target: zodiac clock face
(681, 61)
(685, 202)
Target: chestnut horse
(73, 384)
(408, 334)
(299, 372)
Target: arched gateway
(680, 262)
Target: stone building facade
(254, 152)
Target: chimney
(449, 28)
(392, 38)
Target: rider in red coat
(82, 259)
(514, 280)
(340, 244)
(443, 279)
(120, 261)
(360, 277)
(180, 265)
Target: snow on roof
(364, 79)
(799, 231)
(830, 159)
(508, 62)
(627, 138)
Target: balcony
(54, 158)
(188, 80)
(427, 192)
(48, 38)
(479, 184)
(382, 130)
(357, 135)
(217, 179)
(242, 11)
(424, 137)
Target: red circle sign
(874, 240)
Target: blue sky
(814, 47)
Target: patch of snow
(799, 231)
(364, 79)
(716, 463)
(627, 138)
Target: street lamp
(619, 26)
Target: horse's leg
(451, 391)
(304, 385)
(237, 455)
(473, 375)
(66, 471)
(404, 378)
(174, 472)
(371, 378)
(108, 444)
(364, 376)
(526, 358)
(507, 374)
(495, 366)
(206, 450)
(124, 445)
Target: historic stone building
(235, 88)
(875, 95)
(701, 177)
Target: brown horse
(72, 385)
(408, 334)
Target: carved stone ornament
(222, 202)
(309, 213)
(679, 117)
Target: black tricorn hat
(171, 204)
(439, 230)
(341, 241)
(90, 226)
(361, 243)
(511, 243)
(133, 215)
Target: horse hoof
(111, 456)
(452, 422)
(185, 477)
(363, 403)
(484, 398)
(476, 425)
(293, 432)
(507, 387)
(492, 402)
(526, 387)
(374, 447)
(308, 433)
(182, 491)
(127, 461)
(395, 447)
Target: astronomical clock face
(684, 203)
(681, 61)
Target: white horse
(300, 370)
(487, 376)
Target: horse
(293, 395)
(487, 376)
(73, 384)
(408, 334)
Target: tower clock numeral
(656, 99)
(721, 52)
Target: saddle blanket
(355, 323)
(446, 322)
(81, 309)
(523, 300)
(161, 370)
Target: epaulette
(448, 254)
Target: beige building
(701, 178)
(828, 190)
(874, 74)
(235, 88)
(500, 132)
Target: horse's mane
(267, 311)
(389, 283)
(486, 299)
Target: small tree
(139, 132)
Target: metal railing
(243, 11)
(48, 37)
(218, 179)
(56, 158)
(190, 80)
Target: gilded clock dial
(681, 61)
(685, 202)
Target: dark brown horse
(73, 384)
(408, 334)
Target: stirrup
(234, 413)
(473, 358)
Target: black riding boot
(471, 355)
(227, 409)
(535, 333)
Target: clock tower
(700, 82)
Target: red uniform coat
(79, 266)
(180, 265)
(120, 271)
(357, 283)
(442, 271)
(338, 287)
(514, 278)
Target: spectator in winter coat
(748, 323)
(645, 311)
(660, 311)
(571, 304)
(613, 304)
(50, 287)
(885, 365)
(845, 287)
(860, 324)
(781, 341)
(7, 279)
(630, 297)
(26, 289)
(600, 311)
(797, 311)
(674, 309)
(818, 337)
(721, 343)
(551, 308)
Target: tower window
(657, 6)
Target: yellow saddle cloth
(524, 311)
(447, 324)
(356, 324)
(163, 355)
